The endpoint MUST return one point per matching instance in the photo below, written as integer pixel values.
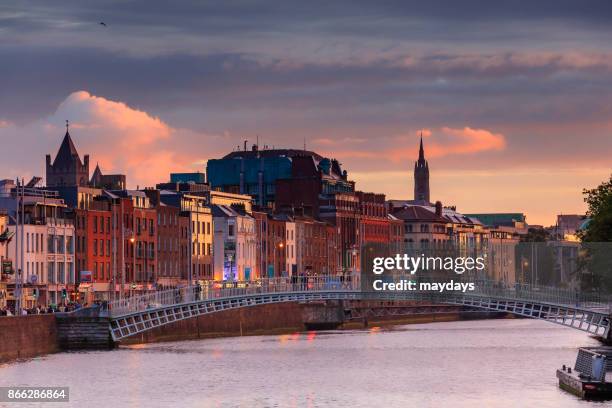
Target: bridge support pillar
(84, 332)
(323, 315)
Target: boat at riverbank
(591, 377)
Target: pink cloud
(94, 112)
(465, 141)
(120, 138)
(571, 60)
(327, 141)
(443, 142)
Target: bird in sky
(102, 23)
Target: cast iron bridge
(138, 314)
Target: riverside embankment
(27, 337)
(30, 336)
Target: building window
(70, 267)
(61, 244)
(70, 244)
(51, 244)
(51, 272)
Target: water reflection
(496, 363)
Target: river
(481, 363)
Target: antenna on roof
(304, 143)
(67, 125)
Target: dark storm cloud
(34, 80)
(359, 76)
(317, 65)
(219, 17)
(143, 26)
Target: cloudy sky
(514, 100)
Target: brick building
(271, 242)
(137, 256)
(95, 238)
(317, 246)
(373, 220)
(343, 211)
(200, 226)
(173, 246)
(292, 181)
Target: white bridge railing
(219, 290)
(544, 294)
(349, 283)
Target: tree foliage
(596, 262)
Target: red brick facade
(173, 246)
(140, 242)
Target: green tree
(596, 260)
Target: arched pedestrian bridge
(138, 314)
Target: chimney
(439, 208)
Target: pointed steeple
(421, 176)
(67, 169)
(96, 177)
(421, 162)
(421, 150)
(67, 151)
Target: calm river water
(486, 363)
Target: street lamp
(354, 251)
(133, 241)
(277, 244)
(281, 246)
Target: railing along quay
(216, 290)
(350, 283)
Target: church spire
(421, 176)
(421, 150)
(421, 162)
(67, 169)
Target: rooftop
(272, 153)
